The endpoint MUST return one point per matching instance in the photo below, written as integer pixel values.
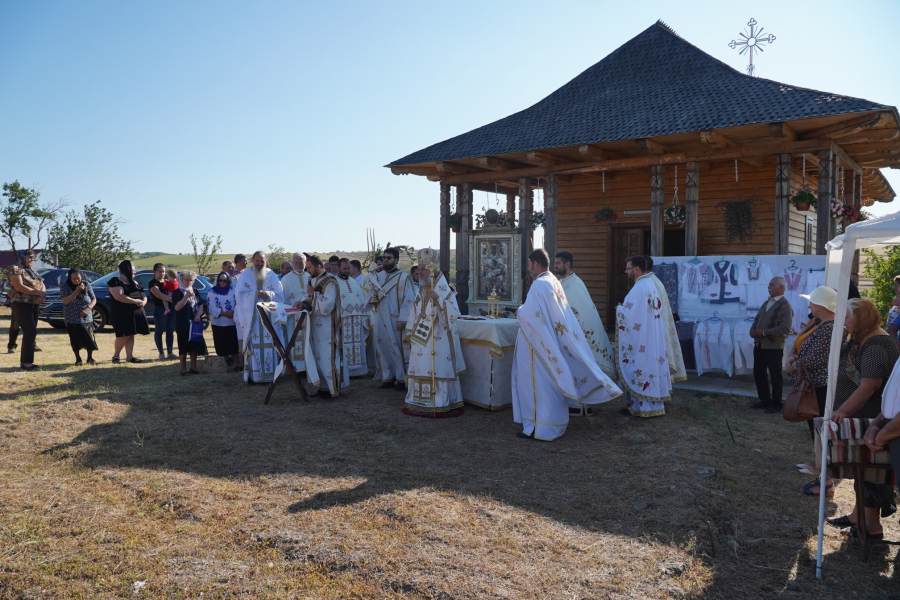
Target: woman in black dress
(128, 317)
(867, 360)
(189, 309)
(78, 304)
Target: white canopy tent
(875, 232)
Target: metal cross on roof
(753, 41)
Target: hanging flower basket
(675, 214)
(455, 222)
(805, 198)
(537, 219)
(843, 212)
(605, 215)
(739, 218)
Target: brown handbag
(801, 404)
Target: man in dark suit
(769, 330)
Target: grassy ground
(130, 481)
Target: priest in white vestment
(324, 306)
(436, 358)
(368, 283)
(393, 298)
(673, 347)
(552, 362)
(256, 284)
(642, 356)
(294, 284)
(355, 311)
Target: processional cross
(752, 42)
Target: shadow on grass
(691, 482)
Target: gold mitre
(428, 258)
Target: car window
(143, 278)
(91, 277)
(198, 285)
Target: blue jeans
(163, 323)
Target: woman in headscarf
(128, 317)
(26, 294)
(78, 312)
(220, 303)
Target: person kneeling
(189, 313)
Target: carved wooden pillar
(782, 203)
(445, 230)
(657, 201)
(464, 206)
(691, 209)
(550, 204)
(823, 204)
(856, 200)
(526, 206)
(511, 207)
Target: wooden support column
(526, 206)
(856, 200)
(691, 209)
(826, 189)
(464, 206)
(657, 202)
(445, 230)
(782, 203)
(550, 204)
(511, 207)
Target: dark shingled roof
(655, 84)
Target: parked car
(52, 280)
(52, 311)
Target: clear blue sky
(270, 122)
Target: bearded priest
(258, 284)
(436, 360)
(553, 362)
(324, 306)
(642, 357)
(355, 311)
(393, 297)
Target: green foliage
(205, 252)
(409, 251)
(740, 220)
(882, 268)
(90, 240)
(22, 216)
(276, 256)
(143, 255)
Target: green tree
(89, 240)
(277, 255)
(23, 217)
(882, 268)
(205, 252)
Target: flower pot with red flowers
(605, 215)
(455, 222)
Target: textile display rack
(839, 265)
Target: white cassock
(553, 363)
(673, 348)
(326, 334)
(642, 359)
(355, 311)
(366, 283)
(394, 297)
(294, 284)
(256, 343)
(436, 358)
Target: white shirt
(772, 301)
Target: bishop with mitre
(553, 362)
(436, 360)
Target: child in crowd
(189, 307)
(170, 285)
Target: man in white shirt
(356, 271)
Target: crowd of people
(401, 328)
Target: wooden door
(627, 242)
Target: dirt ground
(130, 481)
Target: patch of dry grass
(132, 481)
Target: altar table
(488, 346)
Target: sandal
(116, 360)
(134, 360)
(853, 532)
(806, 490)
(840, 521)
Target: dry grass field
(130, 481)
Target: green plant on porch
(676, 214)
(739, 218)
(882, 267)
(454, 221)
(536, 219)
(605, 215)
(843, 212)
(806, 198)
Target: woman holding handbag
(812, 348)
(188, 322)
(867, 360)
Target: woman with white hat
(812, 348)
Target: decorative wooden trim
(691, 209)
(657, 200)
(445, 230)
(823, 212)
(526, 207)
(464, 206)
(782, 204)
(551, 194)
